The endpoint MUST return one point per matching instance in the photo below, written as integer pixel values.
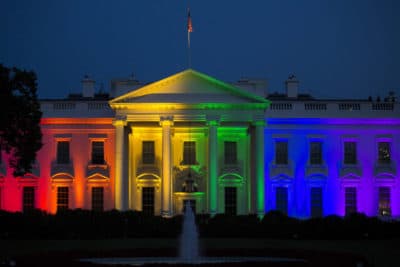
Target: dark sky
(336, 48)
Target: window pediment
(351, 177)
(315, 170)
(62, 177)
(282, 179)
(98, 177)
(100, 170)
(231, 178)
(385, 178)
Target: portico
(189, 137)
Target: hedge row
(83, 224)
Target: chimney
(87, 86)
(253, 85)
(292, 86)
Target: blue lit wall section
(333, 175)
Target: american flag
(189, 23)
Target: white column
(213, 167)
(166, 192)
(259, 167)
(121, 175)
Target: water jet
(189, 251)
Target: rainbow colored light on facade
(257, 181)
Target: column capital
(258, 123)
(213, 120)
(166, 120)
(119, 121)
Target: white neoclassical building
(223, 148)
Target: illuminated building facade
(192, 138)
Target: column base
(213, 213)
(260, 214)
(166, 214)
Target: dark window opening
(350, 200)
(230, 200)
(230, 152)
(63, 152)
(148, 156)
(62, 198)
(350, 153)
(148, 200)
(98, 152)
(189, 153)
(282, 199)
(316, 202)
(281, 152)
(97, 198)
(28, 198)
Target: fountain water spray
(189, 251)
(189, 243)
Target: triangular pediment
(192, 88)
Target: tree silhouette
(20, 134)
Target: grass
(377, 252)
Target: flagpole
(189, 52)
(189, 30)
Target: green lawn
(381, 253)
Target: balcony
(100, 169)
(350, 170)
(231, 168)
(385, 169)
(277, 170)
(62, 170)
(153, 168)
(316, 169)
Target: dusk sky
(336, 48)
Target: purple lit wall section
(332, 175)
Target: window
(28, 200)
(230, 152)
(98, 152)
(148, 152)
(350, 153)
(282, 200)
(316, 202)
(384, 201)
(384, 152)
(316, 153)
(350, 200)
(189, 153)
(230, 200)
(62, 198)
(281, 151)
(148, 200)
(63, 152)
(98, 198)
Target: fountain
(189, 245)
(188, 251)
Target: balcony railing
(282, 108)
